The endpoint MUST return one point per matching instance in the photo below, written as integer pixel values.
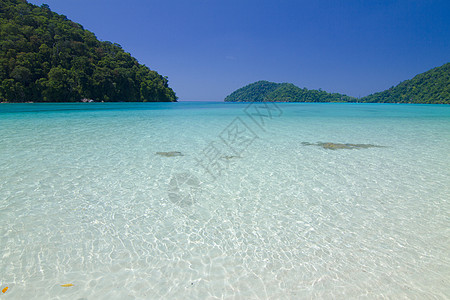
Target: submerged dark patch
(170, 154)
(230, 156)
(337, 146)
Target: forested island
(431, 87)
(45, 57)
(283, 92)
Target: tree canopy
(283, 92)
(431, 87)
(45, 57)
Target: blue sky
(209, 48)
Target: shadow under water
(170, 154)
(337, 146)
(231, 156)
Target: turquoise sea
(204, 200)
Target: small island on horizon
(431, 87)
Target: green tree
(46, 57)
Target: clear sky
(209, 48)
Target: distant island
(283, 92)
(431, 87)
(44, 57)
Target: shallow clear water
(247, 211)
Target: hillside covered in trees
(44, 57)
(432, 87)
(283, 92)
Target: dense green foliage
(432, 86)
(283, 92)
(287, 92)
(256, 91)
(46, 57)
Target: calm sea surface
(197, 200)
